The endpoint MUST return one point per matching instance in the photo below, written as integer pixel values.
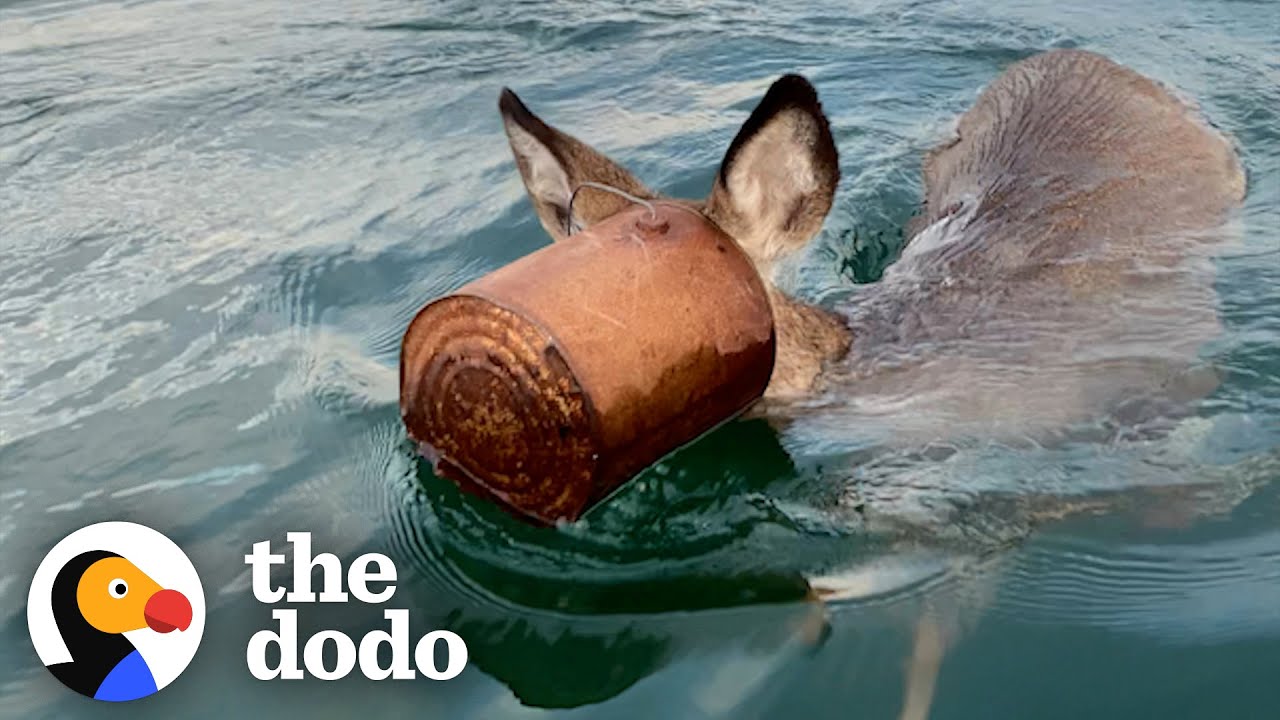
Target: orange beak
(168, 610)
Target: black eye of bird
(118, 588)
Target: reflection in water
(554, 660)
(575, 616)
(697, 504)
(560, 667)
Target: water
(218, 217)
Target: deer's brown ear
(778, 179)
(553, 164)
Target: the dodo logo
(116, 611)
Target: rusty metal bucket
(552, 381)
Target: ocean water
(218, 216)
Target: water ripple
(217, 217)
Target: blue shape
(130, 679)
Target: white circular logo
(116, 611)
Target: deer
(1059, 269)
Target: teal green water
(218, 216)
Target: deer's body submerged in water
(1059, 269)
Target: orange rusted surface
(550, 382)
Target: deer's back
(1061, 263)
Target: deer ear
(553, 165)
(778, 179)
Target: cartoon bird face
(114, 596)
